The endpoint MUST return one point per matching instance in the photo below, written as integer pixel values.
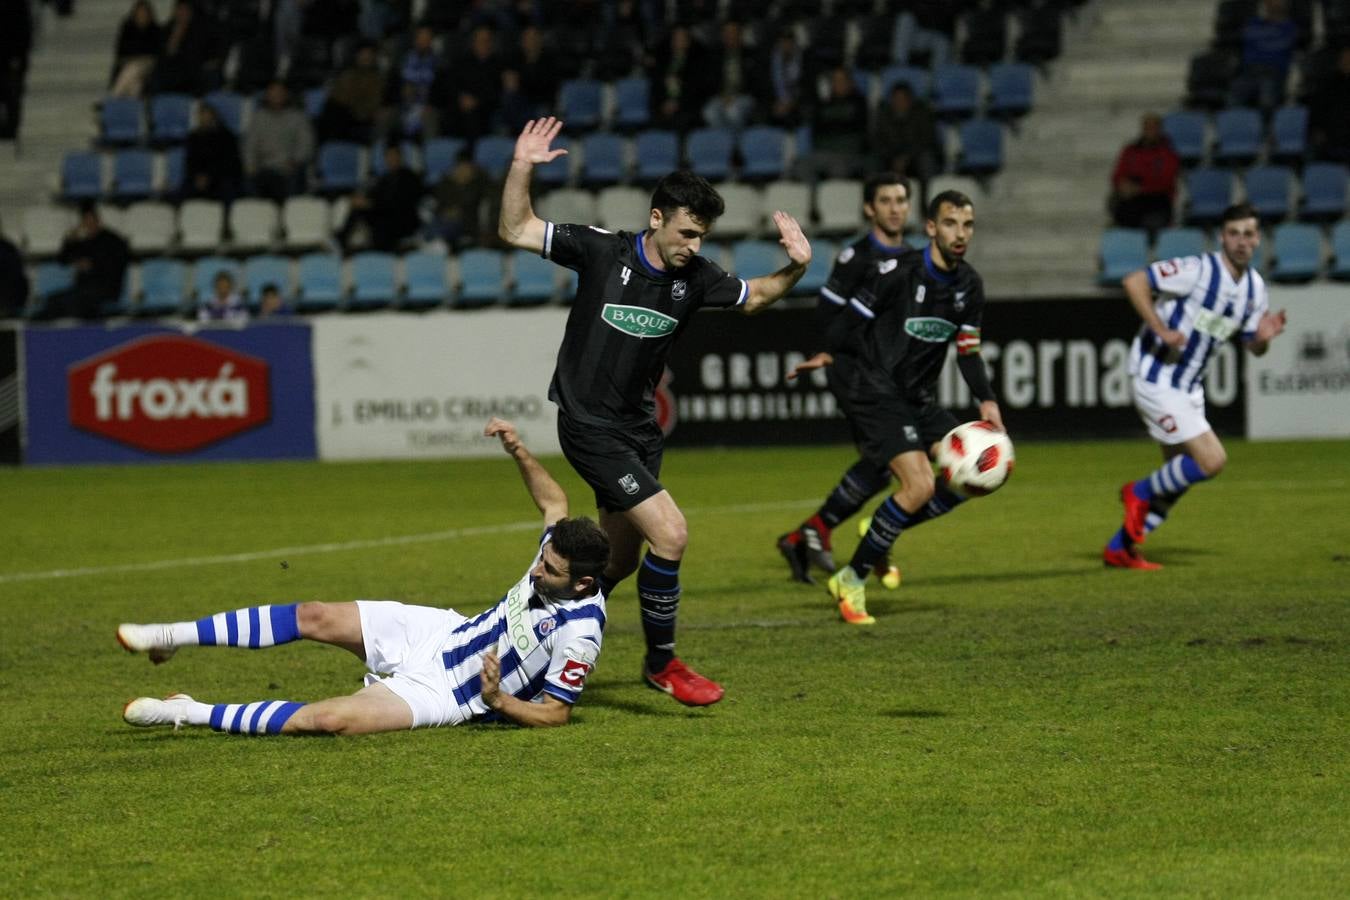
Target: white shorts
(405, 643)
(1171, 416)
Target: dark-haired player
(886, 207)
(524, 660)
(635, 294)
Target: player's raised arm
(518, 225)
(766, 289)
(547, 494)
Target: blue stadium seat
(425, 276)
(122, 305)
(494, 153)
(1324, 192)
(603, 159)
(632, 103)
(1011, 90)
(657, 153)
(338, 167)
(1210, 192)
(1297, 251)
(119, 121)
(260, 271)
(533, 279)
(1123, 250)
(204, 274)
(314, 99)
(374, 281)
(133, 175)
(823, 253)
(1237, 136)
(1268, 189)
(163, 287)
(230, 107)
(170, 118)
(1186, 131)
(917, 79)
(557, 171)
(956, 91)
(981, 147)
(1289, 134)
(708, 151)
(439, 156)
(320, 280)
(1176, 242)
(174, 159)
(1340, 251)
(82, 176)
(580, 103)
(52, 277)
(481, 279)
(750, 259)
(763, 153)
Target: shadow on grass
(625, 700)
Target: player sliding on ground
(524, 660)
(1204, 301)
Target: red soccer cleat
(684, 684)
(1127, 558)
(1136, 511)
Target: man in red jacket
(1144, 182)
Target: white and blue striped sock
(263, 717)
(252, 627)
(1171, 479)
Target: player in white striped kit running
(1205, 300)
(524, 660)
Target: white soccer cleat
(147, 712)
(157, 640)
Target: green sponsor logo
(638, 321)
(930, 329)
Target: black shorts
(621, 464)
(888, 426)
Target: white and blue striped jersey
(1199, 298)
(545, 647)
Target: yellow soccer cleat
(848, 591)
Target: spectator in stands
(354, 99)
(839, 128)
(271, 303)
(1268, 43)
(905, 139)
(190, 52)
(731, 105)
(139, 42)
(225, 304)
(514, 109)
(1144, 181)
(783, 89)
(16, 41)
(13, 280)
(460, 194)
(679, 81)
(538, 66)
(212, 168)
(278, 147)
(416, 74)
(99, 256)
(1328, 120)
(388, 208)
(474, 87)
(623, 39)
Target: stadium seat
(792, 197)
(306, 222)
(622, 207)
(163, 287)
(557, 171)
(374, 280)
(1123, 250)
(533, 279)
(151, 227)
(199, 226)
(956, 91)
(172, 186)
(1340, 251)
(113, 217)
(1011, 90)
(313, 101)
(981, 147)
(1237, 136)
(1177, 242)
(260, 271)
(603, 159)
(743, 211)
(253, 224)
(50, 278)
(133, 175)
(1324, 192)
(82, 176)
(481, 279)
(1297, 253)
(439, 156)
(205, 271)
(231, 109)
(1289, 134)
(763, 151)
(751, 259)
(917, 79)
(1269, 189)
(43, 229)
(125, 301)
(961, 183)
(320, 282)
(494, 153)
(823, 253)
(426, 279)
(1209, 192)
(338, 168)
(581, 103)
(119, 121)
(632, 104)
(708, 151)
(1187, 132)
(839, 206)
(567, 205)
(170, 118)
(657, 153)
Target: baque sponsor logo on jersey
(638, 321)
(169, 393)
(929, 328)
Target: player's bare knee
(312, 617)
(1212, 463)
(917, 490)
(330, 721)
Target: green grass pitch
(1020, 722)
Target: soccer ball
(975, 458)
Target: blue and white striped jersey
(545, 647)
(1199, 298)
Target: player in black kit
(900, 324)
(886, 206)
(635, 294)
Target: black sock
(857, 486)
(887, 523)
(658, 587)
(943, 502)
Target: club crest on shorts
(629, 484)
(678, 290)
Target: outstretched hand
(500, 428)
(790, 236)
(1271, 325)
(533, 144)
(819, 361)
